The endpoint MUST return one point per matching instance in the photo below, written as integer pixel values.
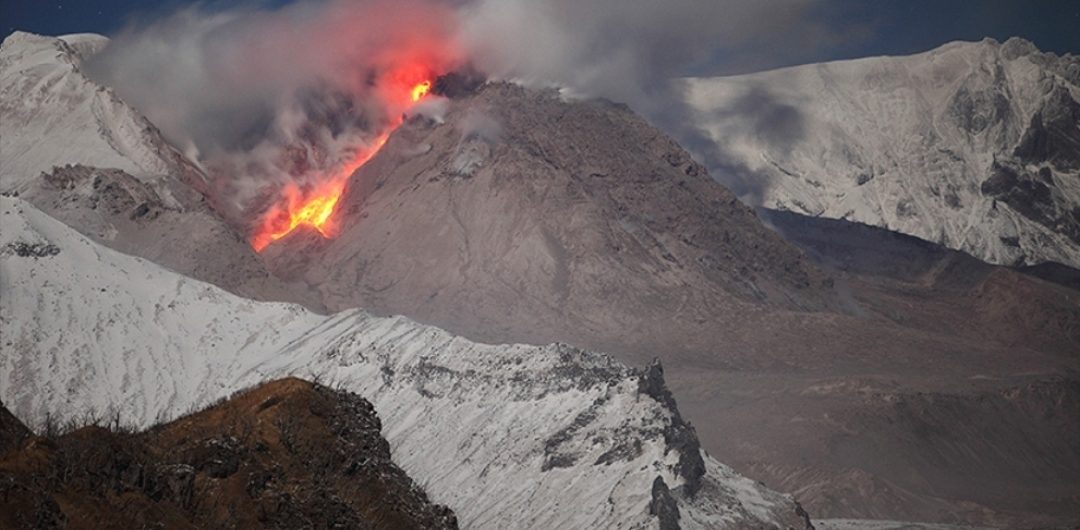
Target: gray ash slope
(520, 213)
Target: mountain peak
(1017, 47)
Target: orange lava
(421, 90)
(314, 206)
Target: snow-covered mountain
(53, 115)
(974, 145)
(508, 436)
(77, 151)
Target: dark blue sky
(865, 27)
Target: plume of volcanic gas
(280, 107)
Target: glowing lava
(314, 205)
(420, 90)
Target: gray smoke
(261, 96)
(633, 51)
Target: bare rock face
(520, 213)
(288, 454)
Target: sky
(856, 28)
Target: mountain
(478, 218)
(507, 436)
(77, 151)
(973, 145)
(875, 377)
(515, 214)
(286, 454)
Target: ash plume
(262, 97)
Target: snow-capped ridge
(51, 114)
(500, 433)
(907, 142)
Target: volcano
(521, 215)
(464, 270)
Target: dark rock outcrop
(287, 454)
(679, 434)
(663, 505)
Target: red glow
(314, 206)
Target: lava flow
(421, 90)
(314, 207)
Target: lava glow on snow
(314, 207)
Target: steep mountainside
(509, 436)
(940, 389)
(53, 115)
(287, 454)
(515, 213)
(74, 149)
(975, 146)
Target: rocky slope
(287, 454)
(75, 150)
(973, 145)
(510, 436)
(509, 212)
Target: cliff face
(287, 454)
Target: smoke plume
(262, 98)
(266, 98)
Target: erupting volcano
(314, 206)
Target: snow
(90, 329)
(52, 115)
(894, 142)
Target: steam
(625, 50)
(262, 97)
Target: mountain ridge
(912, 143)
(492, 431)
